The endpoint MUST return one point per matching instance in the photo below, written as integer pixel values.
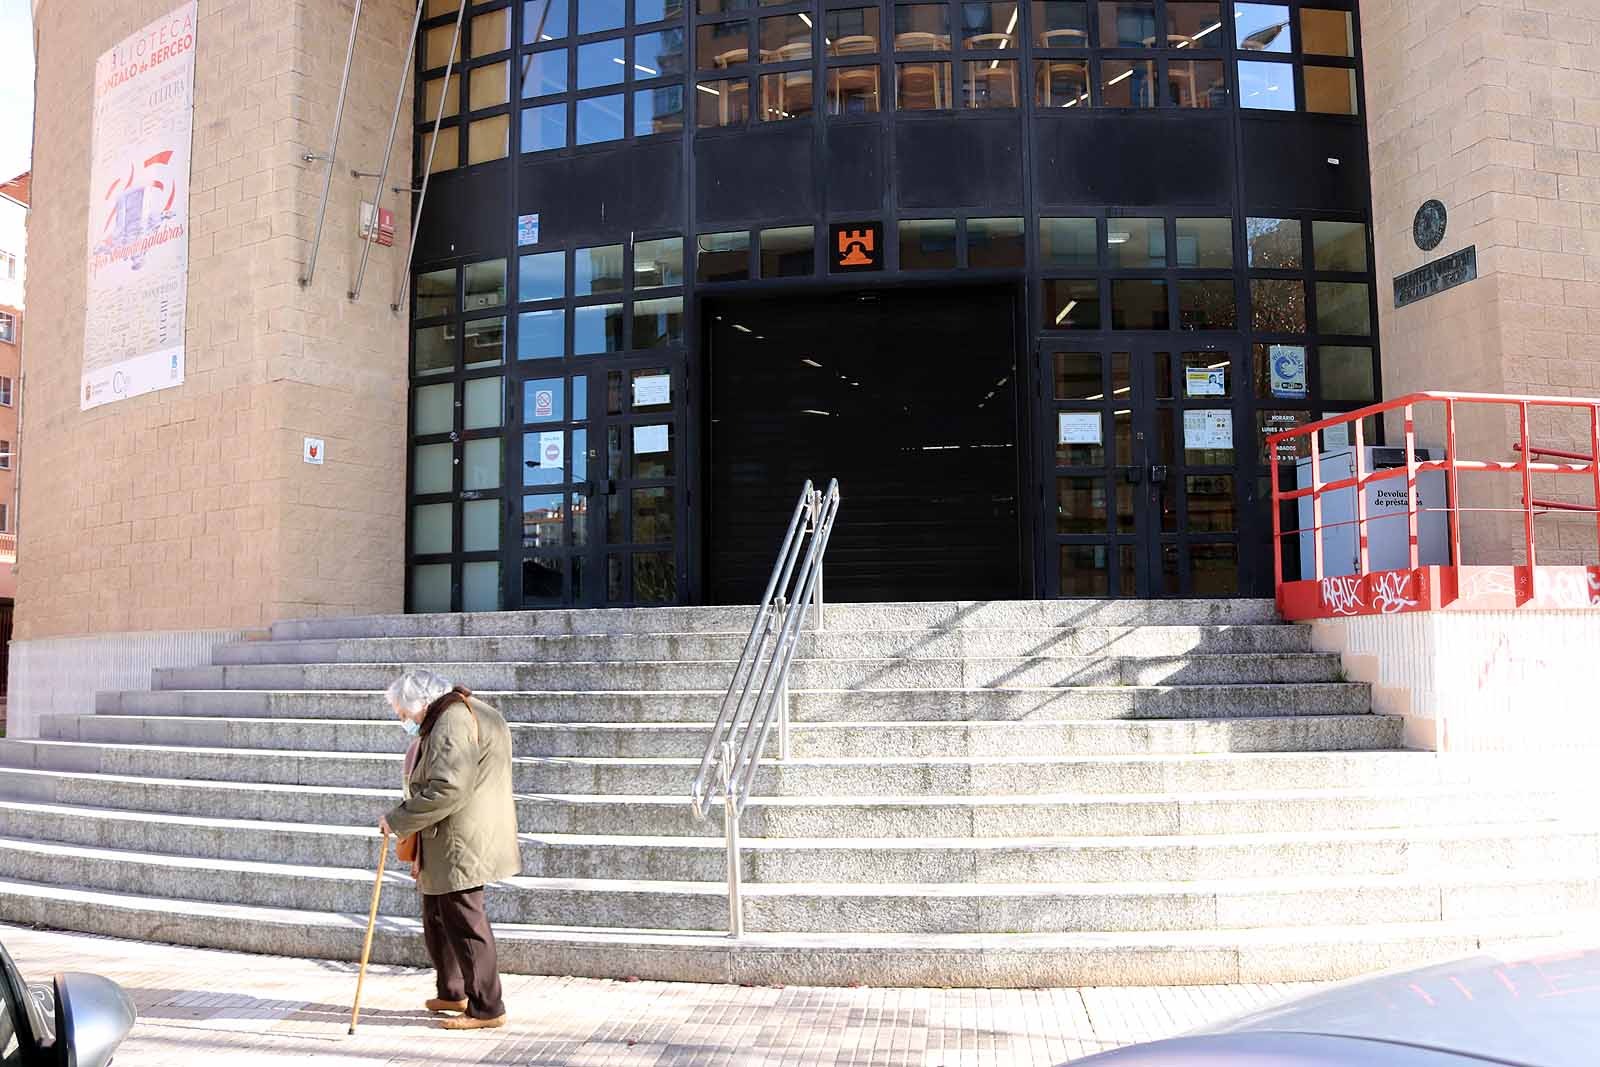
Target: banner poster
(138, 251)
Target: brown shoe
(437, 1004)
(467, 1022)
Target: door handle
(1158, 473)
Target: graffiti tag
(1392, 592)
(1342, 595)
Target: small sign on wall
(385, 224)
(315, 450)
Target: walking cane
(372, 920)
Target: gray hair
(414, 690)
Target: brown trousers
(461, 945)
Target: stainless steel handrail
(746, 716)
(333, 149)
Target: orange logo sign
(857, 246)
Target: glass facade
(1173, 190)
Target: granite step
(1300, 952)
(999, 614)
(1020, 775)
(807, 740)
(863, 674)
(806, 705)
(945, 643)
(1206, 838)
(916, 908)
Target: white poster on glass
(649, 439)
(652, 389)
(138, 230)
(1205, 381)
(1078, 428)
(552, 449)
(1288, 366)
(1208, 428)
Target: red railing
(1419, 587)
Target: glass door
(630, 494)
(554, 531)
(1095, 514)
(1195, 475)
(1145, 478)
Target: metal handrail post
(333, 149)
(783, 703)
(388, 148)
(427, 168)
(730, 832)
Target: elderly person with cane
(458, 805)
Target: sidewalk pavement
(200, 1005)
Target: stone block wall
(191, 508)
(1493, 107)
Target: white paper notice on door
(552, 449)
(652, 389)
(1205, 381)
(1208, 428)
(648, 439)
(1078, 428)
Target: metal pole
(1361, 499)
(783, 692)
(1453, 482)
(1594, 459)
(427, 170)
(1527, 496)
(1277, 521)
(388, 148)
(333, 149)
(1316, 508)
(1411, 485)
(730, 827)
(819, 622)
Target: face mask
(411, 727)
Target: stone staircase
(994, 794)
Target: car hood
(1540, 1009)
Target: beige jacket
(458, 801)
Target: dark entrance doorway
(910, 399)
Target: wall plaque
(1458, 268)
(1427, 229)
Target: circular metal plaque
(1428, 227)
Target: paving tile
(202, 1004)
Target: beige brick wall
(1494, 109)
(191, 508)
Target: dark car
(76, 1021)
(1527, 1009)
